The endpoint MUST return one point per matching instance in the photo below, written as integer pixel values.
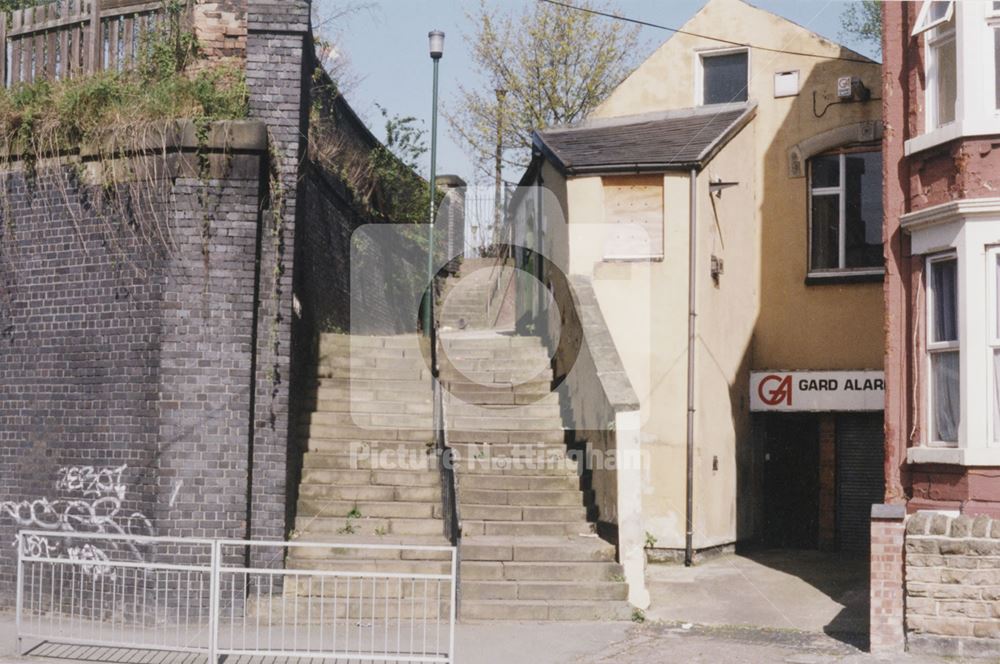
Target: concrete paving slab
(801, 590)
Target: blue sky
(388, 49)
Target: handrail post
(3, 54)
(96, 38)
(20, 591)
(214, 590)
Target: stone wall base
(952, 646)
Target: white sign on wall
(815, 391)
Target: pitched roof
(651, 142)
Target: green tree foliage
(555, 64)
(862, 22)
(400, 192)
(10, 5)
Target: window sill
(632, 259)
(844, 277)
(968, 128)
(954, 456)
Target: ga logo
(773, 390)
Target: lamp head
(436, 38)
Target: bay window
(961, 42)
(936, 22)
(943, 349)
(845, 213)
(959, 377)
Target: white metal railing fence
(233, 597)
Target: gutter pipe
(692, 336)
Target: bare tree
(555, 64)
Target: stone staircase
(528, 549)
(464, 302)
(369, 474)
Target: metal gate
(236, 597)
(860, 477)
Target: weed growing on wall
(116, 113)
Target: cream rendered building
(787, 274)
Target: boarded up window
(633, 210)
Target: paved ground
(777, 606)
(800, 590)
(566, 643)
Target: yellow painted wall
(801, 327)
(762, 315)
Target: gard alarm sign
(815, 391)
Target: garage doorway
(791, 480)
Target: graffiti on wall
(94, 505)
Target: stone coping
(933, 524)
(610, 371)
(175, 136)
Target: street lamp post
(436, 38)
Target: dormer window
(724, 76)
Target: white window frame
(924, 21)
(970, 229)
(934, 347)
(841, 192)
(992, 339)
(976, 112)
(699, 71)
(992, 27)
(933, 42)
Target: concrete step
(473, 528)
(363, 434)
(388, 455)
(372, 407)
(547, 410)
(577, 572)
(500, 399)
(385, 385)
(537, 549)
(374, 373)
(540, 437)
(335, 547)
(485, 467)
(545, 590)
(336, 341)
(511, 450)
(535, 610)
(368, 422)
(413, 478)
(488, 339)
(501, 377)
(415, 394)
(320, 611)
(468, 481)
(367, 359)
(512, 513)
(362, 565)
(366, 494)
(392, 509)
(519, 497)
(309, 526)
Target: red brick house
(942, 294)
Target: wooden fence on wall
(66, 38)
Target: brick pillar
(887, 634)
(827, 482)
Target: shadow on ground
(808, 591)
